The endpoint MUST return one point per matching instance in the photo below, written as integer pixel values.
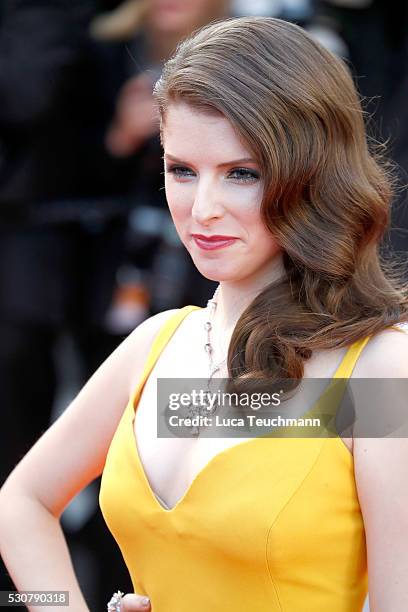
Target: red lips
(214, 242)
(214, 237)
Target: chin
(216, 273)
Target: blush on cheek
(181, 226)
(179, 208)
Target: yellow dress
(270, 524)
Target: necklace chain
(208, 347)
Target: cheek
(179, 204)
(260, 238)
(249, 217)
(268, 246)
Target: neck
(233, 297)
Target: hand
(132, 602)
(136, 118)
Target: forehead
(189, 132)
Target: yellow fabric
(267, 525)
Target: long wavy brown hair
(328, 188)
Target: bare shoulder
(384, 358)
(380, 462)
(380, 465)
(385, 355)
(72, 451)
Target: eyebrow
(244, 160)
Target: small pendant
(192, 414)
(195, 430)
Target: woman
(264, 145)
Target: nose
(207, 203)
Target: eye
(244, 175)
(179, 171)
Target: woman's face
(184, 15)
(214, 187)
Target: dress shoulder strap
(165, 333)
(160, 340)
(349, 360)
(346, 366)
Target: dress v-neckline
(342, 371)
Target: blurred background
(87, 246)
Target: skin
(210, 190)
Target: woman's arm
(67, 457)
(381, 476)
(35, 551)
